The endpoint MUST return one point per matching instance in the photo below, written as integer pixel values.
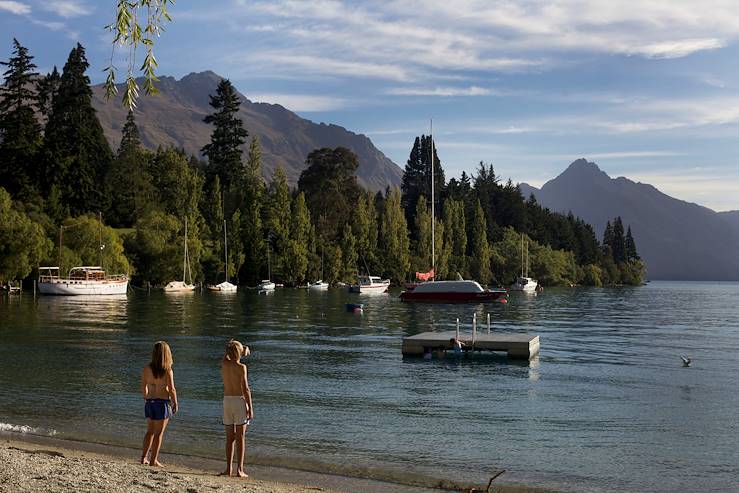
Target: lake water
(607, 406)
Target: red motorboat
(453, 292)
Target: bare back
(155, 388)
(235, 382)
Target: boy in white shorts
(237, 407)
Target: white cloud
(17, 8)
(680, 48)
(441, 38)
(439, 91)
(68, 8)
(300, 102)
(279, 61)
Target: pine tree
(349, 253)
(277, 224)
(608, 240)
(128, 180)
(619, 241)
(364, 227)
(48, 87)
(480, 247)
(20, 133)
(455, 239)
(422, 242)
(631, 253)
(252, 229)
(224, 150)
(77, 155)
(417, 177)
(394, 243)
(296, 261)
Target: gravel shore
(28, 467)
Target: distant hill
(732, 217)
(678, 240)
(175, 117)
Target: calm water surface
(607, 405)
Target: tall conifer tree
(128, 180)
(77, 155)
(277, 225)
(480, 246)
(394, 242)
(417, 178)
(631, 253)
(48, 87)
(224, 149)
(20, 133)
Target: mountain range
(678, 240)
(175, 117)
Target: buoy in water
(504, 300)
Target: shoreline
(41, 463)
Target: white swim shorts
(235, 410)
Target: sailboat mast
(522, 255)
(184, 256)
(100, 239)
(433, 219)
(225, 249)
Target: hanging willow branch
(130, 32)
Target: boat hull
(76, 288)
(372, 289)
(451, 297)
(179, 287)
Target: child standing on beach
(157, 387)
(237, 406)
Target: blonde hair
(234, 349)
(161, 359)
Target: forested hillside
(59, 179)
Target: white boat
(182, 286)
(460, 291)
(225, 286)
(84, 280)
(370, 284)
(266, 285)
(524, 282)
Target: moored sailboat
(267, 284)
(225, 286)
(524, 283)
(182, 286)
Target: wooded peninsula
(67, 199)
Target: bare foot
(156, 463)
(225, 473)
(241, 474)
(144, 461)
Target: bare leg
(147, 441)
(241, 446)
(229, 449)
(159, 427)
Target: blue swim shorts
(157, 409)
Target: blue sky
(648, 89)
